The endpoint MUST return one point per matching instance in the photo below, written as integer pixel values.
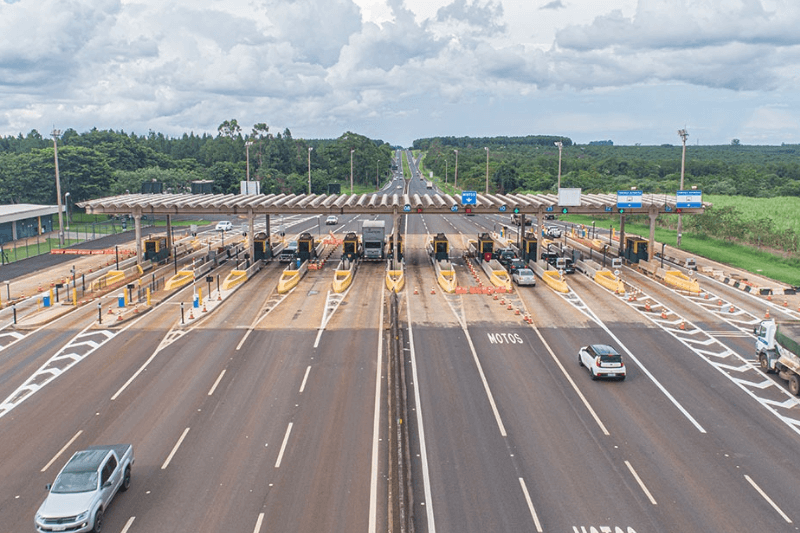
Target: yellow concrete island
(233, 279)
(183, 277)
(555, 281)
(611, 282)
(395, 278)
(681, 281)
(343, 277)
(291, 277)
(445, 275)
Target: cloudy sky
(633, 71)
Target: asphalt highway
(270, 413)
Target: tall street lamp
(377, 163)
(445, 171)
(487, 169)
(560, 146)
(351, 169)
(66, 203)
(683, 134)
(247, 146)
(455, 179)
(56, 134)
(309, 168)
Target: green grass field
(783, 210)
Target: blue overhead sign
(454, 208)
(629, 199)
(689, 199)
(407, 208)
(469, 198)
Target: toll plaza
(306, 249)
(529, 246)
(635, 249)
(485, 247)
(441, 247)
(261, 246)
(156, 249)
(351, 248)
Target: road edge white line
(373, 482)
(62, 450)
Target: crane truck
(778, 350)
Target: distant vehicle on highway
(552, 232)
(515, 265)
(288, 252)
(332, 220)
(524, 276)
(84, 488)
(602, 361)
(224, 225)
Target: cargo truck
(373, 239)
(778, 350)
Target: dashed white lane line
(305, 378)
(258, 523)
(174, 449)
(768, 499)
(128, 524)
(214, 387)
(62, 450)
(283, 446)
(530, 505)
(641, 483)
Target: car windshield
(70, 482)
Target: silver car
(524, 276)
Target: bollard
(183, 320)
(121, 300)
(99, 313)
(766, 315)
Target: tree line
(100, 163)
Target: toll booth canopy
(635, 249)
(529, 247)
(392, 247)
(262, 249)
(485, 246)
(155, 249)
(350, 248)
(305, 247)
(441, 248)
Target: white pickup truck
(83, 489)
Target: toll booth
(350, 247)
(485, 246)
(391, 246)
(529, 246)
(306, 250)
(441, 248)
(155, 249)
(261, 247)
(635, 249)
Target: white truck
(373, 239)
(778, 350)
(84, 488)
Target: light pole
(487, 169)
(351, 169)
(594, 235)
(247, 146)
(376, 174)
(455, 179)
(55, 135)
(66, 203)
(560, 146)
(445, 171)
(683, 134)
(309, 168)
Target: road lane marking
(373, 482)
(769, 500)
(485, 383)
(244, 338)
(641, 484)
(530, 505)
(62, 450)
(258, 523)
(128, 524)
(283, 446)
(166, 341)
(175, 449)
(214, 387)
(423, 449)
(305, 378)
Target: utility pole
(247, 156)
(455, 179)
(560, 146)
(56, 134)
(683, 134)
(309, 168)
(487, 169)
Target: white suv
(224, 225)
(602, 361)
